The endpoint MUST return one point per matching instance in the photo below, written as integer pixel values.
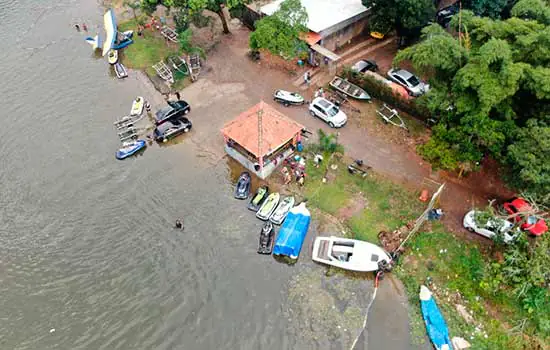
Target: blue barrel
(299, 147)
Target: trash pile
(392, 240)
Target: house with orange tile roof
(261, 138)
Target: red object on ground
(424, 196)
(531, 224)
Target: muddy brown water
(89, 258)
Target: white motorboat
(349, 254)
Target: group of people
(84, 27)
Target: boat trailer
(391, 116)
(164, 72)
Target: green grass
(148, 49)
(455, 267)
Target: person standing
(85, 27)
(178, 95)
(307, 78)
(77, 27)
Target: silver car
(491, 227)
(409, 81)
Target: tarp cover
(293, 232)
(435, 323)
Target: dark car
(444, 16)
(364, 65)
(174, 110)
(172, 128)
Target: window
(319, 109)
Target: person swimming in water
(179, 224)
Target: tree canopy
(490, 91)
(403, 15)
(279, 33)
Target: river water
(88, 255)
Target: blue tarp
(435, 323)
(293, 232)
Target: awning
(325, 52)
(311, 38)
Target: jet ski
(266, 239)
(137, 106)
(282, 210)
(259, 198)
(268, 207)
(130, 148)
(242, 190)
(288, 98)
(112, 56)
(120, 71)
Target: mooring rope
(376, 280)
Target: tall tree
(403, 15)
(217, 7)
(279, 33)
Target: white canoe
(137, 106)
(348, 254)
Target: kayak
(137, 106)
(293, 232)
(268, 207)
(130, 148)
(266, 239)
(435, 323)
(112, 56)
(242, 190)
(258, 199)
(282, 210)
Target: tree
(403, 15)
(217, 7)
(490, 92)
(134, 5)
(279, 33)
(489, 8)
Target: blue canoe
(130, 148)
(293, 232)
(435, 323)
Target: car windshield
(332, 111)
(163, 112)
(413, 81)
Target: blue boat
(435, 323)
(293, 232)
(130, 148)
(114, 39)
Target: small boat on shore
(120, 71)
(282, 210)
(349, 254)
(349, 89)
(242, 189)
(265, 245)
(112, 56)
(259, 198)
(179, 64)
(435, 323)
(269, 206)
(293, 232)
(130, 148)
(137, 106)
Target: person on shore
(77, 27)
(85, 27)
(307, 78)
(178, 95)
(147, 106)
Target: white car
(409, 81)
(327, 111)
(491, 227)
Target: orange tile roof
(277, 129)
(310, 37)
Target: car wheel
(187, 111)
(312, 113)
(164, 140)
(331, 124)
(286, 104)
(186, 130)
(410, 93)
(470, 229)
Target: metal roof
(323, 14)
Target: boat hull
(242, 189)
(282, 210)
(265, 245)
(349, 89)
(123, 154)
(137, 106)
(268, 207)
(256, 206)
(434, 321)
(122, 44)
(120, 71)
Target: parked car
(364, 66)
(444, 16)
(174, 110)
(490, 228)
(409, 81)
(172, 128)
(327, 111)
(531, 223)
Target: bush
(328, 143)
(383, 92)
(439, 153)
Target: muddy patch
(356, 204)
